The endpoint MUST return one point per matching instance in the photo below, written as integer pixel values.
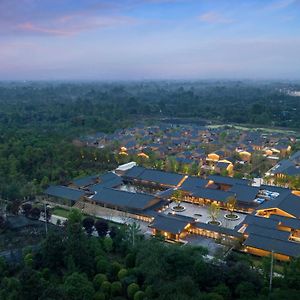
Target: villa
(286, 167)
(267, 217)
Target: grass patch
(61, 212)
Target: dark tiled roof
(109, 180)
(245, 193)
(228, 180)
(295, 156)
(269, 244)
(267, 232)
(273, 188)
(156, 176)
(286, 167)
(174, 224)
(215, 195)
(64, 192)
(285, 221)
(137, 201)
(289, 203)
(222, 165)
(259, 221)
(219, 152)
(219, 229)
(165, 194)
(134, 172)
(193, 181)
(289, 166)
(85, 181)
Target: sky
(149, 39)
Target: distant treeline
(107, 106)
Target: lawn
(62, 212)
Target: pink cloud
(28, 17)
(73, 24)
(29, 27)
(214, 18)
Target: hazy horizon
(136, 40)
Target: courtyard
(201, 214)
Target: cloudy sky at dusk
(149, 39)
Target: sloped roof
(289, 203)
(244, 193)
(124, 199)
(269, 244)
(259, 221)
(286, 221)
(219, 229)
(274, 188)
(295, 157)
(85, 181)
(174, 224)
(288, 166)
(154, 176)
(222, 164)
(267, 232)
(228, 180)
(193, 181)
(108, 180)
(64, 192)
(215, 195)
(264, 233)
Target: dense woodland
(38, 122)
(72, 264)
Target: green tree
(31, 283)
(122, 274)
(231, 204)
(108, 244)
(78, 287)
(133, 233)
(132, 289)
(177, 197)
(98, 280)
(116, 288)
(139, 295)
(102, 265)
(75, 216)
(214, 211)
(106, 287)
